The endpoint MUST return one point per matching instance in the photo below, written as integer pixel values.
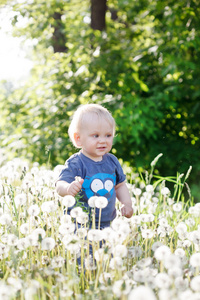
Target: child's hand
(75, 187)
(127, 211)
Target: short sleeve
(71, 170)
(120, 176)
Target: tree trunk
(98, 12)
(59, 38)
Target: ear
(77, 139)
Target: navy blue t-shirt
(100, 179)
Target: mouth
(101, 148)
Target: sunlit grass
(158, 248)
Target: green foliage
(144, 69)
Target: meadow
(153, 255)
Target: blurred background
(140, 59)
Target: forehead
(94, 121)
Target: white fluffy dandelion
(25, 228)
(95, 235)
(119, 251)
(76, 212)
(195, 260)
(142, 293)
(101, 202)
(6, 219)
(82, 218)
(163, 280)
(165, 191)
(34, 210)
(49, 206)
(57, 262)
(23, 243)
(171, 261)
(20, 200)
(68, 201)
(137, 191)
(48, 243)
(66, 228)
(116, 263)
(177, 207)
(162, 252)
(91, 201)
(147, 233)
(195, 284)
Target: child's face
(95, 138)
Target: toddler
(92, 130)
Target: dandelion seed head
(6, 219)
(66, 228)
(171, 261)
(68, 201)
(89, 263)
(194, 236)
(166, 294)
(180, 252)
(116, 263)
(117, 224)
(32, 239)
(121, 287)
(82, 218)
(81, 233)
(195, 260)
(48, 243)
(165, 191)
(162, 252)
(101, 202)
(34, 210)
(105, 277)
(95, 235)
(39, 232)
(119, 251)
(57, 262)
(177, 207)
(147, 233)
(134, 252)
(150, 189)
(193, 211)
(137, 191)
(76, 212)
(144, 262)
(181, 283)
(195, 284)
(25, 228)
(136, 220)
(49, 206)
(66, 219)
(141, 292)
(16, 283)
(163, 280)
(23, 243)
(20, 199)
(91, 201)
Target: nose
(102, 140)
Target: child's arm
(64, 188)
(124, 197)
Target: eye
(109, 185)
(96, 185)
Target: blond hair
(80, 114)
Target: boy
(92, 130)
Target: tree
(143, 67)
